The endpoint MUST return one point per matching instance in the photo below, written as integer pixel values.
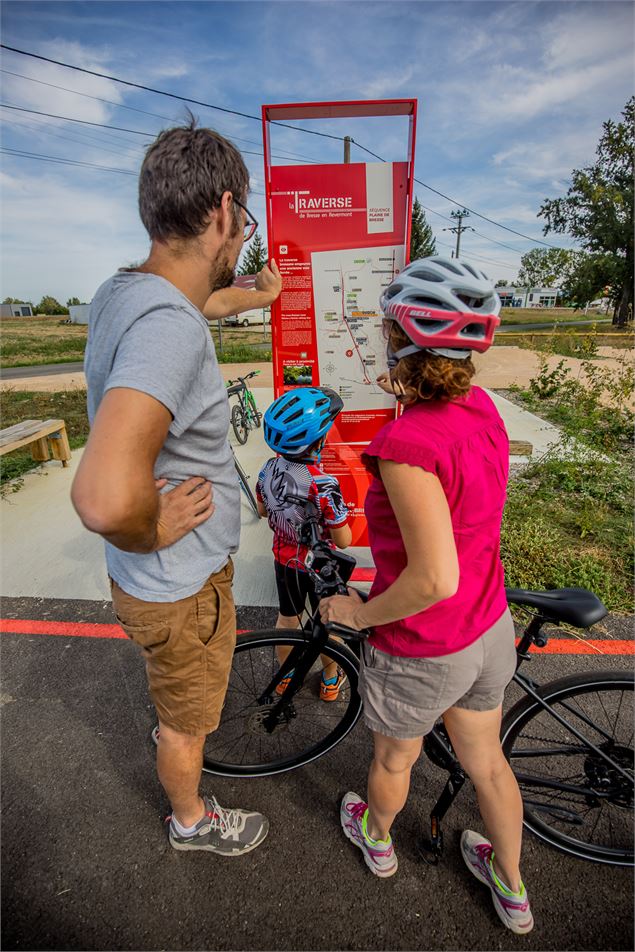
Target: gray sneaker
(223, 831)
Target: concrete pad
(47, 553)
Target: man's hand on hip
(182, 509)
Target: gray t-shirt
(144, 334)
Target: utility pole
(347, 149)
(459, 228)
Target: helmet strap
(394, 356)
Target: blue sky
(512, 96)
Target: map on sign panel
(351, 347)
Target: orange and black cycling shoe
(330, 688)
(284, 684)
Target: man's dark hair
(183, 177)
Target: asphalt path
(42, 370)
(87, 864)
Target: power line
(285, 125)
(80, 137)
(84, 122)
(484, 217)
(161, 92)
(59, 161)
(281, 154)
(152, 135)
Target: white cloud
(65, 238)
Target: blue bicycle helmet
(299, 418)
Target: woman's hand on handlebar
(344, 609)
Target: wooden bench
(46, 437)
(520, 448)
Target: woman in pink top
(442, 639)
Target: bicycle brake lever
(335, 628)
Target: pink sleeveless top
(464, 443)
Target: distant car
(249, 317)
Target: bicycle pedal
(430, 852)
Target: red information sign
(340, 234)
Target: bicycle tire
(243, 479)
(241, 431)
(253, 666)
(556, 823)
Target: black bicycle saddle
(577, 606)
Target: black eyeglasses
(250, 225)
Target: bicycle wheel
(243, 479)
(573, 798)
(242, 746)
(239, 424)
(255, 413)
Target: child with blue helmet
(295, 427)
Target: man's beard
(221, 274)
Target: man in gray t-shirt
(157, 479)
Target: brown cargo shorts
(188, 647)
(404, 697)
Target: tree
(544, 267)
(49, 305)
(73, 301)
(255, 257)
(422, 241)
(502, 283)
(598, 210)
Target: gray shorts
(404, 697)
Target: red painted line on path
(363, 575)
(81, 629)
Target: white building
(16, 310)
(79, 313)
(528, 297)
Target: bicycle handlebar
(328, 575)
(252, 373)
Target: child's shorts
(293, 588)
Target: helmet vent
(285, 406)
(474, 331)
(418, 300)
(391, 291)
(472, 302)
(432, 327)
(294, 416)
(444, 263)
(468, 267)
(426, 275)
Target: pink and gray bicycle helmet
(443, 305)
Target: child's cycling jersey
(280, 476)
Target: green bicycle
(245, 415)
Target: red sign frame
(321, 216)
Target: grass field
(547, 315)
(28, 341)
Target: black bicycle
(569, 742)
(245, 415)
(243, 480)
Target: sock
(183, 830)
(368, 837)
(501, 885)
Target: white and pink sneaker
(513, 908)
(379, 855)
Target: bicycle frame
(438, 748)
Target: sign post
(340, 233)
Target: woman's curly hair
(426, 376)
